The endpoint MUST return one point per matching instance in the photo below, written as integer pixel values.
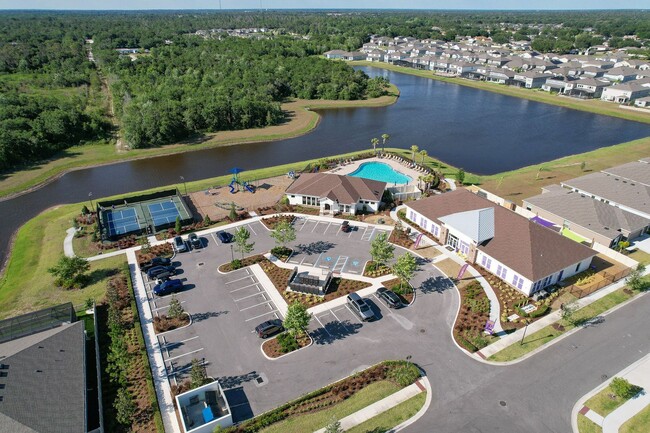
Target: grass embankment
(300, 121)
(591, 105)
(312, 422)
(585, 425)
(605, 402)
(637, 424)
(549, 333)
(392, 417)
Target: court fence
(37, 321)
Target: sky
(321, 4)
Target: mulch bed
(272, 348)
(248, 261)
(163, 250)
(384, 270)
(163, 323)
(399, 237)
(473, 314)
(272, 222)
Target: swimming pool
(381, 172)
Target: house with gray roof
(625, 92)
(43, 374)
(635, 171)
(334, 193)
(589, 218)
(522, 253)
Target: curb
(176, 329)
(423, 409)
(311, 342)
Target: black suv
(224, 237)
(156, 261)
(157, 271)
(195, 240)
(268, 328)
(389, 297)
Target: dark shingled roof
(345, 189)
(45, 385)
(529, 249)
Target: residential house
(586, 88)
(556, 84)
(375, 56)
(592, 219)
(530, 79)
(642, 102)
(334, 193)
(621, 74)
(625, 92)
(522, 253)
(345, 55)
(501, 76)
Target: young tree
(84, 210)
(197, 374)
(635, 279)
(568, 312)
(381, 250)
(233, 212)
(297, 319)
(460, 176)
(414, 149)
(284, 233)
(623, 388)
(70, 271)
(178, 226)
(207, 220)
(334, 426)
(124, 406)
(384, 139)
(241, 241)
(405, 268)
(423, 154)
(175, 308)
(374, 142)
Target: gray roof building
(44, 383)
(635, 171)
(345, 189)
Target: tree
(84, 210)
(623, 388)
(414, 149)
(381, 250)
(374, 142)
(460, 176)
(70, 272)
(197, 374)
(178, 226)
(284, 233)
(207, 220)
(384, 139)
(583, 165)
(622, 245)
(635, 279)
(241, 241)
(233, 212)
(568, 312)
(405, 268)
(297, 319)
(124, 406)
(334, 426)
(423, 154)
(175, 308)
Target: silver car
(360, 307)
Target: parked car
(389, 297)
(159, 270)
(179, 244)
(346, 227)
(167, 287)
(268, 328)
(156, 261)
(224, 237)
(195, 240)
(360, 307)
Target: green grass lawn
(638, 423)
(314, 421)
(585, 425)
(605, 402)
(544, 335)
(392, 417)
(640, 256)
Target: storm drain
(200, 264)
(502, 403)
(260, 380)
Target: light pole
(232, 253)
(521, 343)
(184, 184)
(90, 198)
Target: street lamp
(232, 253)
(521, 343)
(184, 184)
(90, 197)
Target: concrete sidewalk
(637, 374)
(382, 405)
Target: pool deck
(395, 165)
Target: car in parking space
(389, 297)
(159, 270)
(224, 237)
(268, 328)
(179, 244)
(156, 261)
(195, 241)
(346, 227)
(167, 287)
(360, 307)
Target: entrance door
(327, 206)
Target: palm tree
(423, 154)
(384, 138)
(414, 149)
(374, 142)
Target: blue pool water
(381, 172)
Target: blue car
(169, 286)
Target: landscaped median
(318, 409)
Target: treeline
(196, 86)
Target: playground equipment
(235, 183)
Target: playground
(216, 201)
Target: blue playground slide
(232, 186)
(248, 187)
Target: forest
(52, 97)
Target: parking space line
(215, 238)
(245, 287)
(249, 296)
(184, 354)
(238, 279)
(262, 315)
(303, 225)
(317, 222)
(380, 301)
(340, 321)
(251, 227)
(256, 305)
(169, 343)
(162, 308)
(355, 316)
(336, 265)
(327, 228)
(317, 260)
(323, 326)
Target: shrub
(403, 373)
(287, 342)
(236, 264)
(623, 388)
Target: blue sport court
(121, 221)
(163, 213)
